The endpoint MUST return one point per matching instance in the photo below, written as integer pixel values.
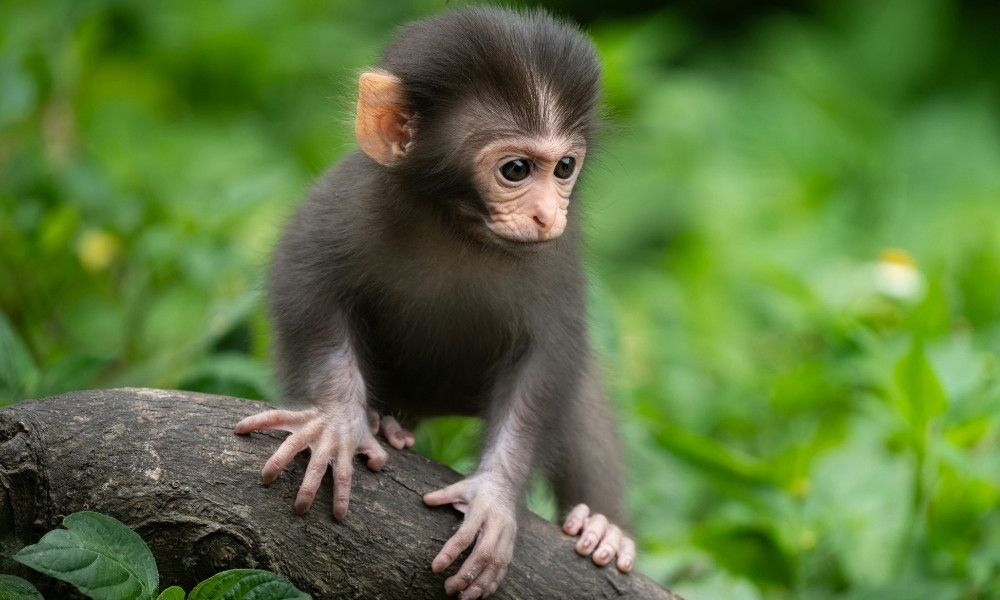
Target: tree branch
(167, 464)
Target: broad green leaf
(920, 395)
(861, 505)
(171, 593)
(750, 551)
(713, 457)
(15, 588)
(99, 555)
(246, 584)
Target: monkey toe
(574, 521)
(394, 433)
(626, 555)
(594, 529)
(603, 541)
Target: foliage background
(794, 234)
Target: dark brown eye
(515, 170)
(565, 167)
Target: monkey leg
(587, 471)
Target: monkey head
(497, 141)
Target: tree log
(167, 464)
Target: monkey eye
(565, 167)
(515, 170)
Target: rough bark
(167, 464)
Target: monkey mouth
(522, 246)
(518, 247)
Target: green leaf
(913, 588)
(171, 593)
(19, 375)
(747, 550)
(713, 457)
(15, 588)
(99, 555)
(920, 395)
(246, 584)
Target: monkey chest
(435, 357)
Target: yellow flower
(97, 249)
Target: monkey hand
(599, 539)
(334, 433)
(490, 515)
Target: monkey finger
(457, 544)
(626, 555)
(593, 531)
(491, 554)
(469, 573)
(377, 456)
(394, 433)
(285, 420)
(319, 462)
(575, 519)
(342, 471)
(475, 581)
(492, 588)
(292, 445)
(455, 494)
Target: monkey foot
(392, 431)
(600, 539)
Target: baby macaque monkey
(436, 271)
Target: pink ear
(382, 126)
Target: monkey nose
(544, 217)
(543, 228)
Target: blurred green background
(794, 235)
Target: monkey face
(526, 183)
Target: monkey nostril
(540, 222)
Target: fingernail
(571, 524)
(440, 563)
(602, 554)
(588, 541)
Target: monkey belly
(433, 380)
(434, 363)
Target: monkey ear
(383, 125)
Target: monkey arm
(491, 497)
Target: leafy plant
(106, 560)
(15, 588)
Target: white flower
(897, 276)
